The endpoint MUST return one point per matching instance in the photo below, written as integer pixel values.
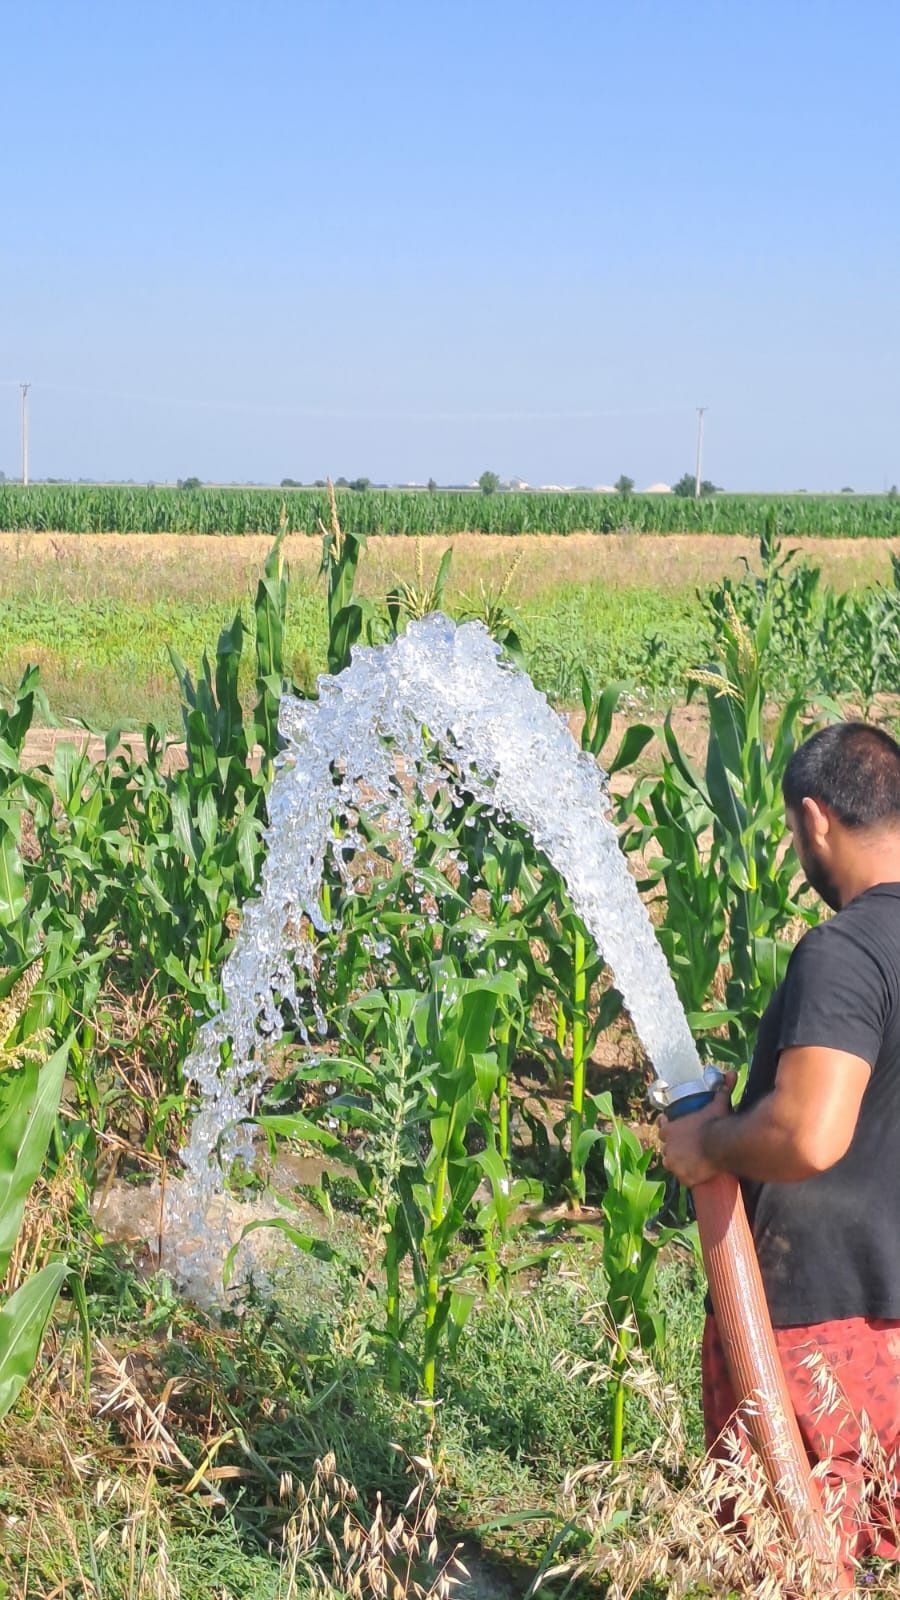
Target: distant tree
(319, 483)
(489, 483)
(360, 484)
(190, 483)
(432, 486)
(847, 490)
(291, 483)
(687, 484)
(893, 491)
(341, 483)
(2, 477)
(624, 485)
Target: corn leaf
(22, 1322)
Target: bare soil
(41, 743)
(689, 723)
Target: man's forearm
(758, 1145)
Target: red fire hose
(757, 1377)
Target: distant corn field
(125, 509)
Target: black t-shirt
(829, 1246)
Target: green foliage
(714, 840)
(415, 600)
(286, 1383)
(441, 976)
(139, 869)
(444, 980)
(23, 1320)
(347, 613)
(686, 486)
(30, 1093)
(818, 641)
(629, 1251)
(97, 509)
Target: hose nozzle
(679, 1099)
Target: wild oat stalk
(370, 1557)
(145, 1423)
(709, 1525)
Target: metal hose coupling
(680, 1099)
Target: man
(816, 1138)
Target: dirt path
(689, 723)
(41, 743)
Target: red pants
(863, 1357)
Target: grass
(97, 614)
(98, 1500)
(262, 1398)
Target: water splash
(439, 688)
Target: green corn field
(127, 509)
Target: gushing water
(442, 702)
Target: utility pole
(700, 411)
(25, 388)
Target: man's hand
(682, 1140)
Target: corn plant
(134, 874)
(416, 600)
(858, 648)
(347, 612)
(30, 1090)
(629, 1250)
(407, 512)
(668, 817)
(716, 840)
(29, 1099)
(422, 1084)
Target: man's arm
(800, 1129)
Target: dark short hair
(853, 769)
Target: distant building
(604, 488)
(657, 488)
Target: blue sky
(394, 239)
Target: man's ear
(816, 819)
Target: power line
(337, 414)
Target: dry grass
(94, 1520)
(218, 568)
(370, 1556)
(709, 1525)
(97, 1482)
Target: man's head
(842, 799)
